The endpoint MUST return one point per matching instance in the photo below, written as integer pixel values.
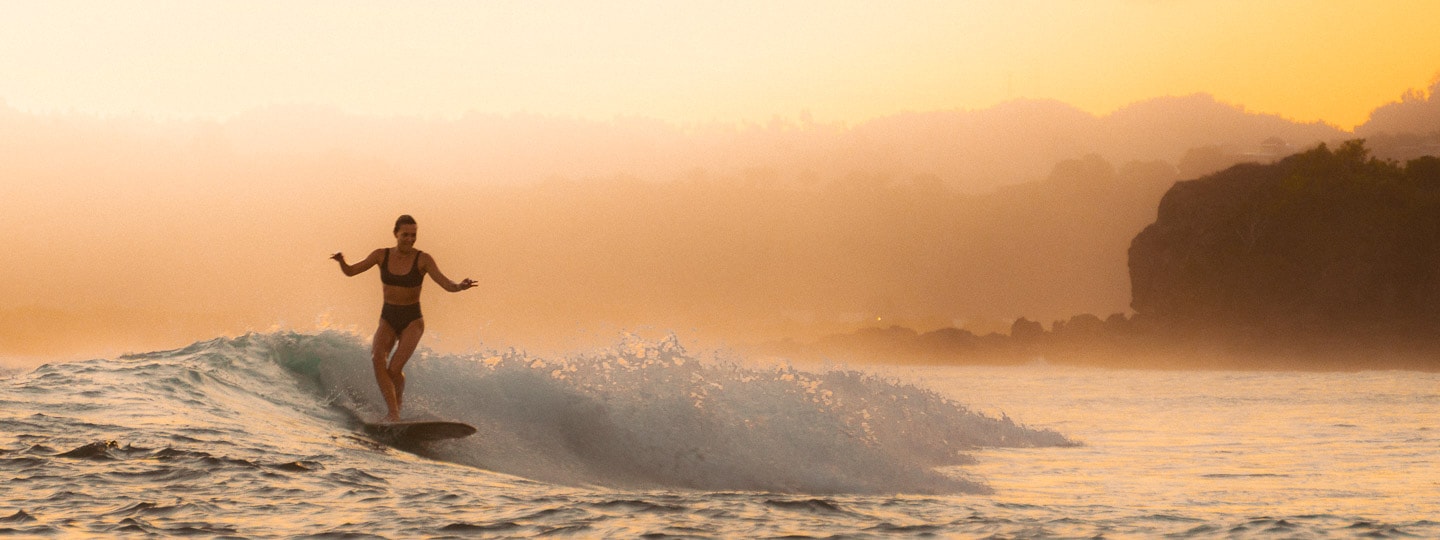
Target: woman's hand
(466, 283)
(339, 257)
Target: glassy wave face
(210, 438)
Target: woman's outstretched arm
(352, 269)
(440, 279)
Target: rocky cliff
(1327, 242)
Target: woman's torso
(402, 276)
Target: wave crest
(650, 415)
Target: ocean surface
(259, 436)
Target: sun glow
(701, 62)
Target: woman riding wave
(400, 318)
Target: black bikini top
(413, 278)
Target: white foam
(649, 415)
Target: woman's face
(405, 237)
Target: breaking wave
(641, 415)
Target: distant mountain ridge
(969, 151)
(1020, 140)
(948, 218)
(1416, 113)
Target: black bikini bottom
(400, 316)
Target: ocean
(259, 436)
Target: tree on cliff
(1325, 240)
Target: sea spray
(639, 415)
(651, 415)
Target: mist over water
(138, 234)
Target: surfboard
(419, 430)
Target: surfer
(400, 319)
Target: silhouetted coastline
(1326, 259)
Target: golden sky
(842, 61)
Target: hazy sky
(701, 61)
(202, 227)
